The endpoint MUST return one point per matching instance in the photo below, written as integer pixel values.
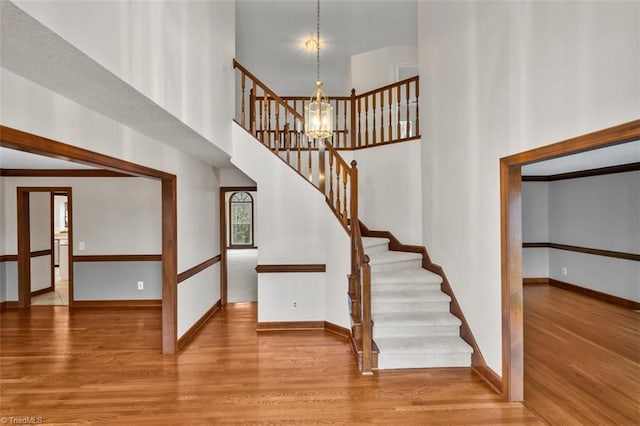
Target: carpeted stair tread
(414, 318)
(424, 345)
(400, 295)
(368, 242)
(392, 257)
(405, 276)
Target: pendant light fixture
(317, 113)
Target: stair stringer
(477, 360)
(295, 226)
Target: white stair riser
(415, 331)
(410, 306)
(393, 266)
(381, 248)
(404, 286)
(399, 360)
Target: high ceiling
(269, 37)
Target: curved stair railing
(382, 116)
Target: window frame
(230, 244)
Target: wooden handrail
(266, 89)
(270, 120)
(415, 78)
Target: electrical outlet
(140, 285)
(564, 271)
(81, 245)
(294, 305)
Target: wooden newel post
(352, 118)
(367, 338)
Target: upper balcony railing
(385, 115)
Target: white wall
(599, 212)
(110, 215)
(377, 68)
(294, 221)
(535, 229)
(32, 108)
(390, 189)
(503, 77)
(177, 53)
(234, 177)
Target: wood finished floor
(582, 358)
(105, 367)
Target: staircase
(401, 303)
(412, 323)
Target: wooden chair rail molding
(117, 258)
(478, 362)
(183, 276)
(293, 268)
(578, 249)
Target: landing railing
(389, 114)
(276, 123)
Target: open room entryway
(58, 293)
(239, 280)
(45, 269)
(552, 316)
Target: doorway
(22, 141)
(238, 251)
(57, 293)
(511, 241)
(37, 248)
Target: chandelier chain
(318, 41)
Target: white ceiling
(13, 159)
(611, 156)
(269, 38)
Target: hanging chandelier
(317, 113)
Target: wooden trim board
(609, 298)
(142, 303)
(298, 268)
(586, 250)
(9, 258)
(43, 291)
(61, 173)
(182, 276)
(623, 168)
(193, 331)
(40, 253)
(118, 258)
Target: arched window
(241, 223)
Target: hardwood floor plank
(582, 358)
(106, 367)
